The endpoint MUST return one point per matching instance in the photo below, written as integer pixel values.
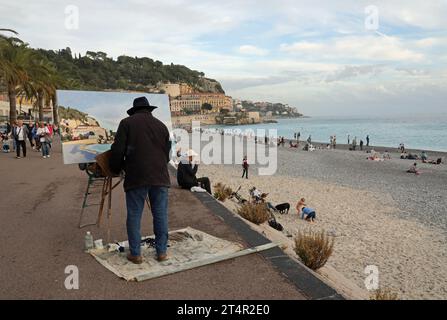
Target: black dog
(283, 208)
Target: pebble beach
(377, 213)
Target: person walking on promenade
(141, 148)
(35, 137)
(245, 167)
(367, 140)
(43, 134)
(13, 127)
(30, 135)
(20, 134)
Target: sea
(422, 132)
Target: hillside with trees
(36, 74)
(97, 71)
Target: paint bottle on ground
(88, 241)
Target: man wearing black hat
(141, 148)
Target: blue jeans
(135, 201)
(45, 149)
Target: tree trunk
(12, 104)
(55, 109)
(40, 105)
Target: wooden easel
(103, 173)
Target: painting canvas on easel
(89, 119)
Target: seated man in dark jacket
(186, 174)
(141, 148)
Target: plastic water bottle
(88, 241)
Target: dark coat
(141, 148)
(186, 175)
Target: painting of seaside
(89, 120)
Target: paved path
(39, 211)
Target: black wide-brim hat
(140, 103)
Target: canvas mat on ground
(188, 248)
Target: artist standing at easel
(142, 149)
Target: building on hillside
(182, 106)
(254, 117)
(174, 90)
(218, 101)
(171, 89)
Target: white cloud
(326, 53)
(369, 48)
(252, 50)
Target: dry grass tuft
(256, 213)
(384, 294)
(314, 248)
(221, 191)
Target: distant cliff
(97, 71)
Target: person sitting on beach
(414, 169)
(437, 161)
(186, 174)
(386, 155)
(404, 155)
(307, 213)
(293, 145)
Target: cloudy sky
(325, 57)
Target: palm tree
(40, 85)
(15, 58)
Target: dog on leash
(283, 208)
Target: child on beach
(307, 213)
(414, 169)
(5, 144)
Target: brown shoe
(162, 257)
(135, 259)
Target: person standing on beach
(354, 143)
(20, 134)
(349, 139)
(141, 147)
(309, 140)
(367, 140)
(298, 136)
(335, 142)
(361, 145)
(245, 167)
